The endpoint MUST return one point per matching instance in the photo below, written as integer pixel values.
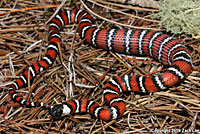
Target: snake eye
(57, 110)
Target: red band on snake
(142, 42)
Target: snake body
(160, 46)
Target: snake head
(60, 110)
(57, 110)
